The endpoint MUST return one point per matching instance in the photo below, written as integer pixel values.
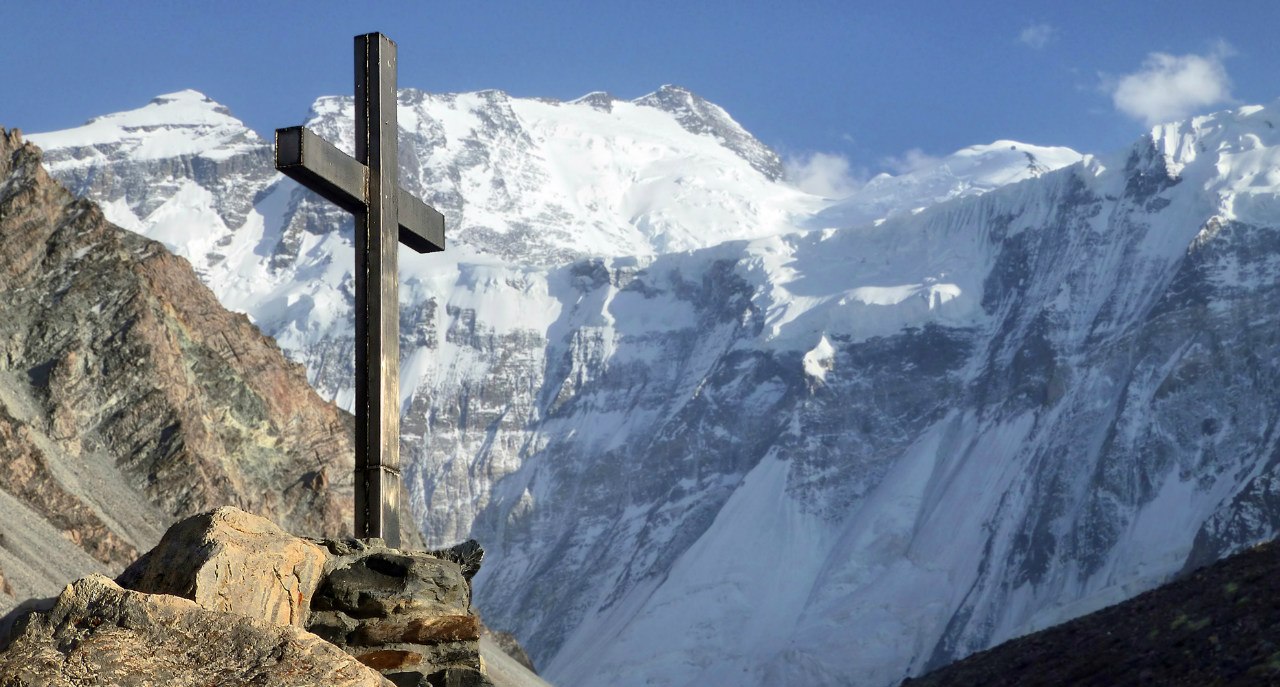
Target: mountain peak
(928, 180)
(188, 102)
(1233, 153)
(182, 123)
(186, 94)
(600, 100)
(700, 116)
(1231, 132)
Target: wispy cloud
(1036, 35)
(1170, 87)
(824, 174)
(910, 161)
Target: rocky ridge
(1214, 626)
(230, 420)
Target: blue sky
(872, 85)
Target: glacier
(712, 429)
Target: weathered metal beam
(377, 282)
(421, 226)
(341, 179)
(317, 164)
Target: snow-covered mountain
(704, 441)
(967, 172)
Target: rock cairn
(407, 614)
(284, 609)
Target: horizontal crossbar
(318, 165)
(421, 226)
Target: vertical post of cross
(386, 216)
(377, 308)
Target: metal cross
(385, 216)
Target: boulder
(230, 560)
(97, 633)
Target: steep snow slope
(864, 450)
(935, 475)
(967, 172)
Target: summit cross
(386, 215)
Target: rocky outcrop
(100, 634)
(239, 584)
(230, 560)
(405, 613)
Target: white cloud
(1172, 87)
(910, 161)
(1036, 35)
(823, 174)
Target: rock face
(125, 352)
(230, 560)
(99, 634)
(129, 397)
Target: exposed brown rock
(421, 630)
(113, 355)
(230, 560)
(27, 476)
(388, 659)
(100, 634)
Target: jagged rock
(230, 560)
(100, 634)
(468, 555)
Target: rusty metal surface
(386, 216)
